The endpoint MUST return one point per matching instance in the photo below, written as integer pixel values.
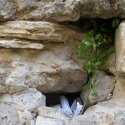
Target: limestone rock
(120, 68)
(7, 9)
(119, 92)
(54, 113)
(101, 114)
(59, 10)
(110, 112)
(40, 30)
(103, 8)
(104, 88)
(48, 121)
(25, 100)
(8, 114)
(26, 117)
(49, 70)
(120, 49)
(111, 64)
(18, 44)
(104, 113)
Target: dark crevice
(54, 98)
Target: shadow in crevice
(54, 98)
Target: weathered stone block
(104, 87)
(40, 30)
(48, 121)
(8, 114)
(120, 49)
(25, 100)
(59, 10)
(50, 70)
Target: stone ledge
(39, 30)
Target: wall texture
(38, 55)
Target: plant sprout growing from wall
(94, 49)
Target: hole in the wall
(53, 99)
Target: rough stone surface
(7, 9)
(54, 113)
(101, 114)
(49, 70)
(26, 117)
(104, 88)
(40, 30)
(8, 114)
(38, 55)
(19, 108)
(25, 100)
(111, 64)
(18, 44)
(118, 96)
(59, 10)
(120, 49)
(48, 121)
(105, 113)
(119, 92)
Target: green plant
(94, 50)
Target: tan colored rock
(49, 70)
(111, 64)
(26, 117)
(3, 89)
(54, 113)
(19, 44)
(48, 121)
(118, 97)
(120, 49)
(119, 92)
(104, 113)
(40, 30)
(101, 114)
(47, 113)
(103, 89)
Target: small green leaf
(87, 43)
(87, 87)
(94, 49)
(97, 64)
(98, 37)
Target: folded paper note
(75, 109)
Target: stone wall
(38, 55)
(60, 10)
